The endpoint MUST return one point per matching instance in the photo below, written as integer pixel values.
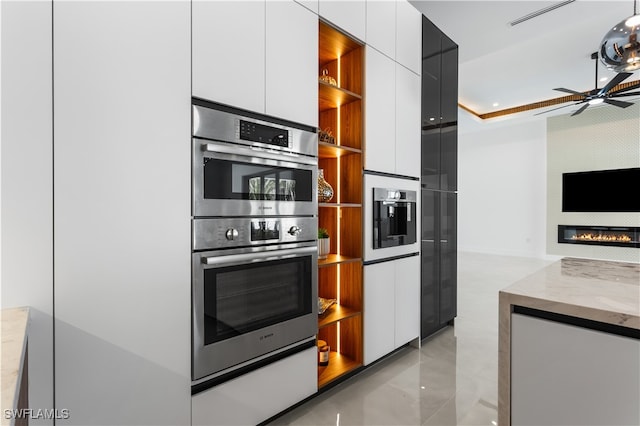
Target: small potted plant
(323, 243)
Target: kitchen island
(569, 345)
(15, 324)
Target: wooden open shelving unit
(340, 275)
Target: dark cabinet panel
(448, 256)
(439, 260)
(430, 159)
(448, 171)
(430, 297)
(439, 109)
(430, 264)
(449, 79)
(439, 179)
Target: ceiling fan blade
(573, 92)
(630, 87)
(619, 95)
(549, 110)
(620, 104)
(619, 78)
(585, 106)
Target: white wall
(501, 186)
(598, 139)
(27, 190)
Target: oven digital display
(262, 230)
(255, 132)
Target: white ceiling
(521, 64)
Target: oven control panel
(218, 233)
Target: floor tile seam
(424, 422)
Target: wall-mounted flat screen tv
(601, 191)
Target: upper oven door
(235, 180)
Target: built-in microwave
(394, 217)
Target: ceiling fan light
(633, 21)
(596, 101)
(617, 49)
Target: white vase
(323, 247)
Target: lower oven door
(247, 303)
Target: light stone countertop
(597, 290)
(15, 323)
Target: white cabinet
(256, 396)
(312, 5)
(379, 307)
(409, 36)
(348, 15)
(122, 191)
(564, 374)
(392, 120)
(408, 133)
(381, 26)
(380, 114)
(257, 55)
(229, 52)
(407, 300)
(27, 192)
(391, 306)
(292, 62)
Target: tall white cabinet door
(348, 15)
(407, 300)
(292, 62)
(408, 132)
(409, 36)
(122, 212)
(380, 112)
(378, 310)
(229, 52)
(381, 26)
(27, 192)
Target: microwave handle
(261, 152)
(255, 257)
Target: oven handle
(254, 257)
(261, 152)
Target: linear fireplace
(619, 236)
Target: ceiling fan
(605, 94)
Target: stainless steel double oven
(254, 229)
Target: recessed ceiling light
(604, 78)
(495, 104)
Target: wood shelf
(339, 365)
(333, 44)
(336, 205)
(336, 259)
(340, 111)
(329, 150)
(336, 313)
(331, 97)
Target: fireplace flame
(622, 238)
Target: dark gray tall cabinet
(439, 179)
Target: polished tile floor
(450, 380)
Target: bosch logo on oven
(266, 336)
